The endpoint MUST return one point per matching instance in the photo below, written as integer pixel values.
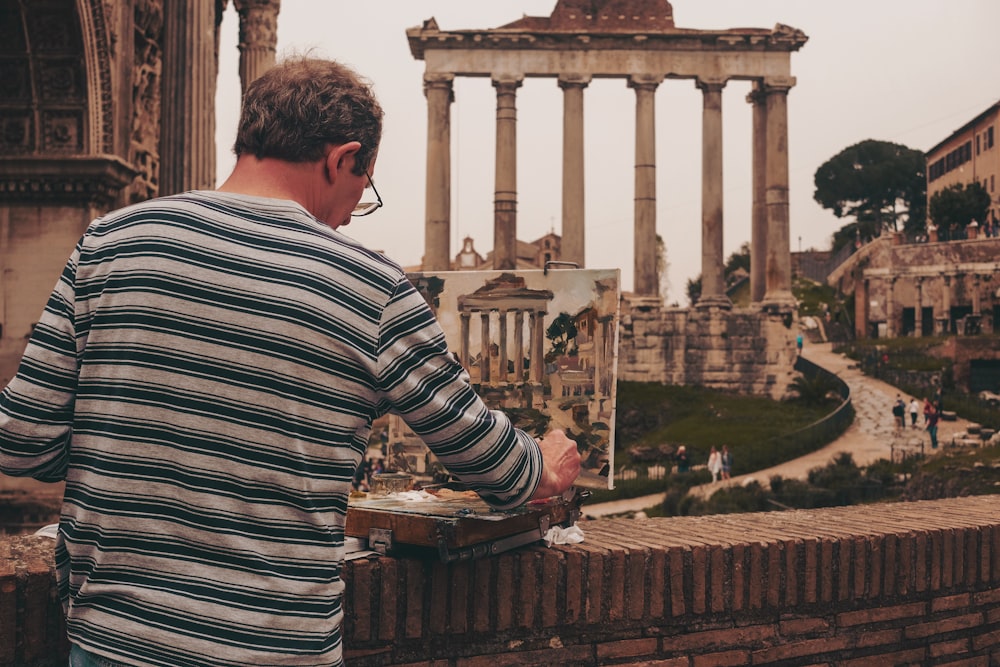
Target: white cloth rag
(559, 535)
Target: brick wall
(895, 584)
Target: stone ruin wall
(741, 350)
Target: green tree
(878, 183)
(953, 208)
(562, 334)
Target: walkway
(868, 439)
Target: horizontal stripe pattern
(204, 378)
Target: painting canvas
(539, 345)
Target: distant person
(928, 409)
(898, 414)
(683, 460)
(914, 411)
(715, 464)
(932, 427)
(798, 344)
(727, 462)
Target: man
(205, 377)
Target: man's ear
(341, 157)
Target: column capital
(574, 80)
(440, 81)
(778, 84)
(710, 84)
(645, 81)
(507, 81)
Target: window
(977, 144)
(989, 138)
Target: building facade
(970, 154)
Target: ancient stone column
(538, 346)
(778, 270)
(502, 349)
(918, 320)
(438, 88)
(258, 37)
(645, 279)
(976, 296)
(573, 241)
(945, 317)
(535, 366)
(758, 219)
(713, 283)
(518, 346)
(890, 308)
(505, 198)
(484, 341)
(187, 120)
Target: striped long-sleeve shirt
(204, 378)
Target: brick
(595, 586)
(739, 579)
(657, 591)
(637, 564)
(672, 662)
(889, 565)
(810, 576)
(802, 626)
(37, 588)
(527, 587)
(985, 640)
(972, 555)
(413, 625)
(725, 659)
(875, 576)
(388, 600)
(806, 647)
(678, 606)
(942, 626)
(359, 598)
(720, 639)
(936, 559)
(459, 583)
(699, 579)
(881, 614)
(947, 558)
(552, 594)
(985, 553)
(948, 649)
(859, 562)
(904, 559)
(616, 585)
(920, 576)
(869, 639)
(482, 586)
(826, 571)
(757, 575)
(775, 558)
(503, 593)
(792, 564)
(8, 612)
(912, 656)
(844, 569)
(959, 557)
(568, 656)
(437, 616)
(977, 661)
(627, 648)
(950, 602)
(719, 578)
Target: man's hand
(560, 464)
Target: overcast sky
(906, 71)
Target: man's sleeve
(423, 383)
(36, 408)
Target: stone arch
(58, 75)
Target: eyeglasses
(367, 207)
